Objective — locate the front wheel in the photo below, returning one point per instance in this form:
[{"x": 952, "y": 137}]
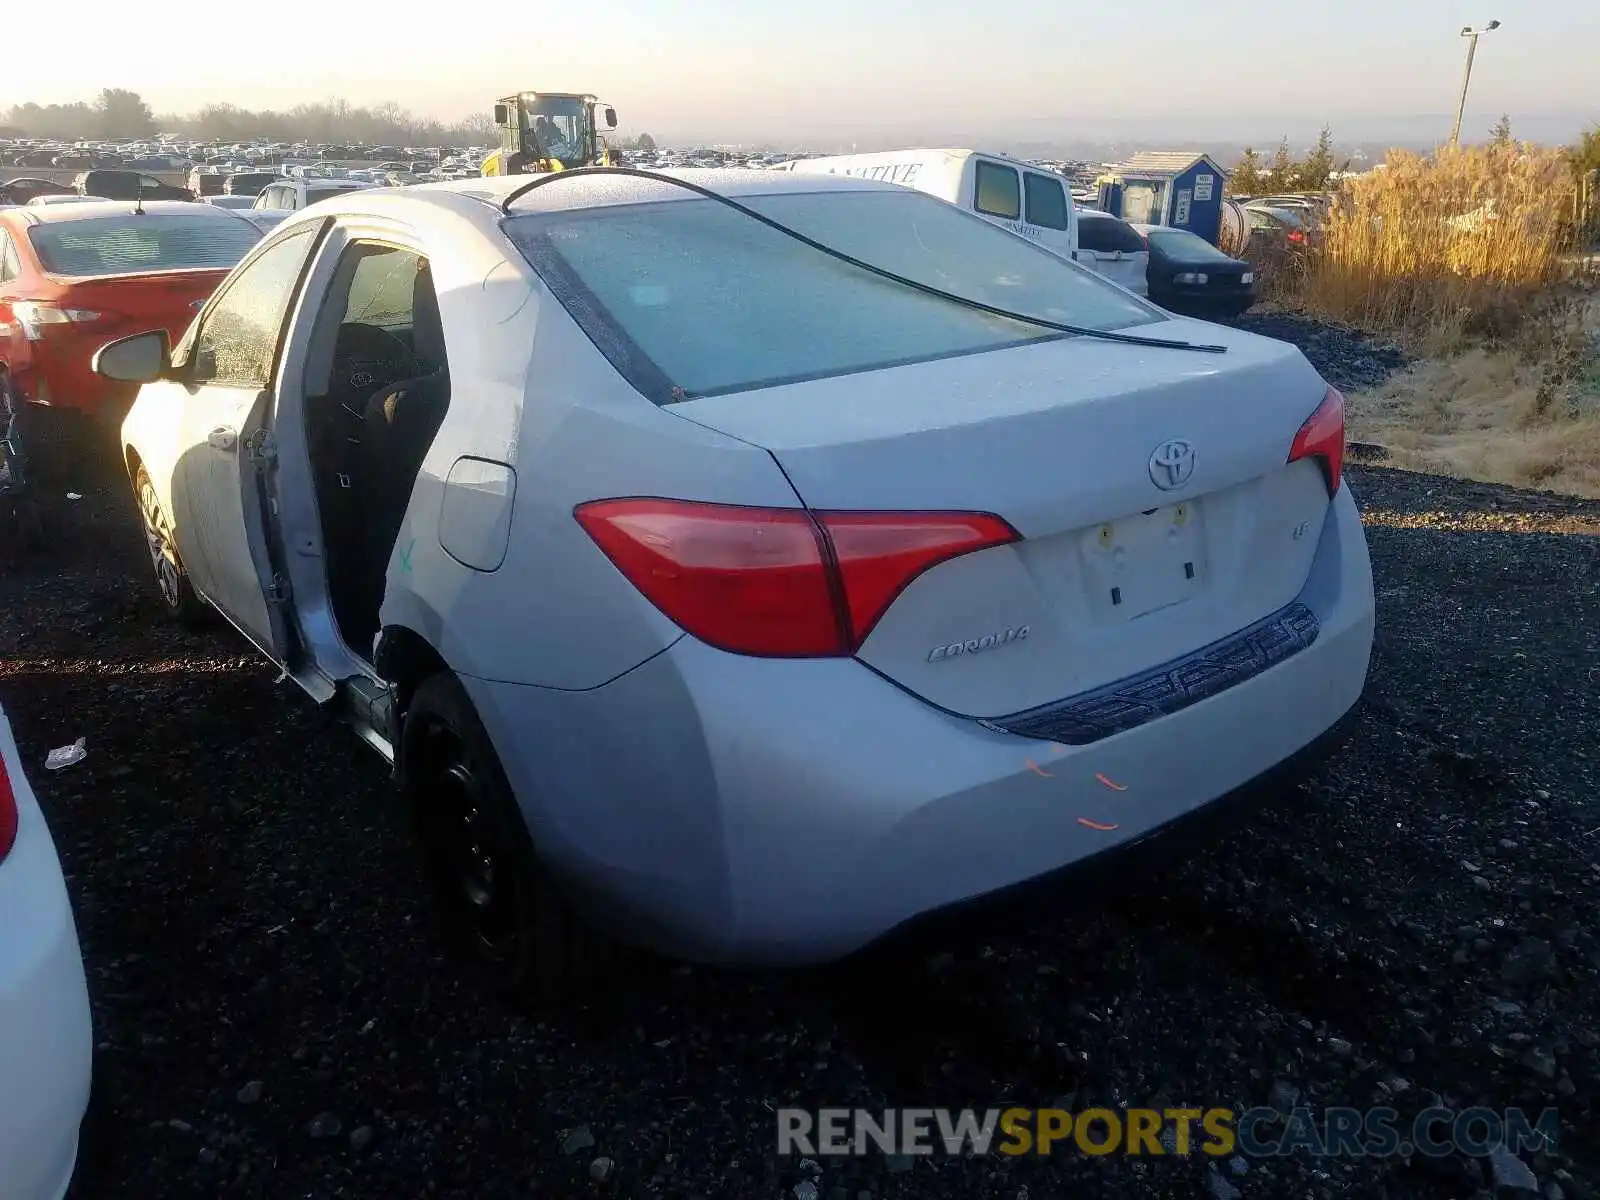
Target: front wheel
[
  {"x": 502, "y": 913},
  {"x": 178, "y": 596}
]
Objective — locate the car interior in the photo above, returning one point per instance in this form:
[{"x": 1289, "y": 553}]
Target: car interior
[{"x": 382, "y": 398}]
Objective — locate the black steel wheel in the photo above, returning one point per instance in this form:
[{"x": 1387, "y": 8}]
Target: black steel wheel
[{"x": 501, "y": 912}]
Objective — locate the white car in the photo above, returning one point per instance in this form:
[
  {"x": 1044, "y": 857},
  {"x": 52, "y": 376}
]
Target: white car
[
  {"x": 280, "y": 201},
  {"x": 1112, "y": 247},
  {"x": 746, "y": 563},
  {"x": 45, "y": 1035}
]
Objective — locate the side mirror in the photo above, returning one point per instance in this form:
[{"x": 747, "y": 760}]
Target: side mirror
[
  {"x": 611, "y": 117},
  {"x": 142, "y": 358},
  {"x": 502, "y": 115}
]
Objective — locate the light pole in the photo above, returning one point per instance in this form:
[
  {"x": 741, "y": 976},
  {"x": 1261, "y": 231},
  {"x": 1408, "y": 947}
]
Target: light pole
[{"x": 1471, "y": 35}]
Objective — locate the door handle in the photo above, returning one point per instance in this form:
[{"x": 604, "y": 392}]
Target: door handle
[{"x": 223, "y": 438}]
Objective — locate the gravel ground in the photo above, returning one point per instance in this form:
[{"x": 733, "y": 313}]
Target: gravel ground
[
  {"x": 1349, "y": 360},
  {"x": 273, "y": 1019}
]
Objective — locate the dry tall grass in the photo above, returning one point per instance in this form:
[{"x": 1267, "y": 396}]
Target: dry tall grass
[
  {"x": 1497, "y": 414},
  {"x": 1464, "y": 257},
  {"x": 1438, "y": 249}
]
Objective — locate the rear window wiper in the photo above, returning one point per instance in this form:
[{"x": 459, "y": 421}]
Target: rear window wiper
[{"x": 1106, "y": 335}]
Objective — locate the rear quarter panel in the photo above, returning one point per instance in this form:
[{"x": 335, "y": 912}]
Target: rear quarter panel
[{"x": 529, "y": 389}]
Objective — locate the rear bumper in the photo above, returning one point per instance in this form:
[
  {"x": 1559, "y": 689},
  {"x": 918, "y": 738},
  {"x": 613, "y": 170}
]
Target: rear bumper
[
  {"x": 1137, "y": 856},
  {"x": 45, "y": 1033},
  {"x": 746, "y": 810}
]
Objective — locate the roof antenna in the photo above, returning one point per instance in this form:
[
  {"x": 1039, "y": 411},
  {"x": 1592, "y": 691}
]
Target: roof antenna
[{"x": 138, "y": 198}]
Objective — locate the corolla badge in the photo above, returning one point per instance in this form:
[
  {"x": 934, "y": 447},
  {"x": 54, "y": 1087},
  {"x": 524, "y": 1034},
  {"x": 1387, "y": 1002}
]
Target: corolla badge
[
  {"x": 988, "y": 641},
  {"x": 1172, "y": 464}
]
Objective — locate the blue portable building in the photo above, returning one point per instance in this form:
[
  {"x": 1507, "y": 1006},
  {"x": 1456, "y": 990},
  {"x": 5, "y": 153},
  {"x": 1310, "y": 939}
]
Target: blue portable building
[{"x": 1167, "y": 187}]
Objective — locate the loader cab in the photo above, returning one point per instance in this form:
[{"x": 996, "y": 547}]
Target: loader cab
[{"x": 557, "y": 127}]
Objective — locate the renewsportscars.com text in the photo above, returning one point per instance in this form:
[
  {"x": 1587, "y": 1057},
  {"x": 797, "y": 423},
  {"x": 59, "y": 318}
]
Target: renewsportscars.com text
[{"x": 1255, "y": 1132}]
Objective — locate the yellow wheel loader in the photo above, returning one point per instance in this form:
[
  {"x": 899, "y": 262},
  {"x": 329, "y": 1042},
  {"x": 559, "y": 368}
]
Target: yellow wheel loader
[{"x": 550, "y": 131}]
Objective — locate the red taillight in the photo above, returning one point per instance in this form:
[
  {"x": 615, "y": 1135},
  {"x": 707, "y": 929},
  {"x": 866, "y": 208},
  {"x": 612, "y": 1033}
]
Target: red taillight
[
  {"x": 778, "y": 582},
  {"x": 8, "y": 813},
  {"x": 36, "y": 316},
  {"x": 1322, "y": 437},
  {"x": 1296, "y": 236}
]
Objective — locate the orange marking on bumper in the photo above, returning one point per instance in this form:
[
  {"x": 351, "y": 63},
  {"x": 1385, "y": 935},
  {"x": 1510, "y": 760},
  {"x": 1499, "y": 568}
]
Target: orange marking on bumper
[
  {"x": 1088, "y": 824},
  {"x": 1115, "y": 787},
  {"x": 1038, "y": 770}
]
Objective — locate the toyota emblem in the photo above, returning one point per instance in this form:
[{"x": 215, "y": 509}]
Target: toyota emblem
[{"x": 1172, "y": 464}]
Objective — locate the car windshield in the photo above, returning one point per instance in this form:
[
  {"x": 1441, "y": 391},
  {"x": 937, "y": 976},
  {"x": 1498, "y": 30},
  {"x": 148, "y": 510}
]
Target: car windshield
[
  {"x": 1190, "y": 247},
  {"x": 129, "y": 244},
  {"x": 692, "y": 298},
  {"x": 560, "y": 124}
]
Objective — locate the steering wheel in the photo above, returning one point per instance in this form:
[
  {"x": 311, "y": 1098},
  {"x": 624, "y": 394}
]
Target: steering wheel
[{"x": 351, "y": 360}]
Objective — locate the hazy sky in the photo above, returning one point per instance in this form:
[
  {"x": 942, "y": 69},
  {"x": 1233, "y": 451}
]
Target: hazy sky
[{"x": 846, "y": 68}]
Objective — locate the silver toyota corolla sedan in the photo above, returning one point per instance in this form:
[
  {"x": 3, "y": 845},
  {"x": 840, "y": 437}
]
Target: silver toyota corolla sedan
[{"x": 743, "y": 564}]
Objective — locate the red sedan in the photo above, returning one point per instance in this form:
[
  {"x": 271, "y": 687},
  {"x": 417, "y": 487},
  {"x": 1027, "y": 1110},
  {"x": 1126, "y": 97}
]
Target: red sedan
[{"x": 76, "y": 276}]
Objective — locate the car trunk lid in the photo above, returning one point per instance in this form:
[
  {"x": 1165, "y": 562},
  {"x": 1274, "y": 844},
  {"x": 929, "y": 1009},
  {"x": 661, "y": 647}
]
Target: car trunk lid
[
  {"x": 1151, "y": 487},
  {"x": 1122, "y": 267},
  {"x": 135, "y": 303}
]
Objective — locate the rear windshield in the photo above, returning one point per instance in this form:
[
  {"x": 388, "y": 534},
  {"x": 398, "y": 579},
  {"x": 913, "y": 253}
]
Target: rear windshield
[
  {"x": 1287, "y": 215},
  {"x": 250, "y": 183},
  {"x": 1190, "y": 247},
  {"x": 313, "y": 194},
  {"x": 128, "y": 244},
  {"x": 1106, "y": 234},
  {"x": 692, "y": 298}
]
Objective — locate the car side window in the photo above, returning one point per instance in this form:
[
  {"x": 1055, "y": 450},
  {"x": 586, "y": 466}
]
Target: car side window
[
  {"x": 10, "y": 265},
  {"x": 1047, "y": 201},
  {"x": 150, "y": 181},
  {"x": 998, "y": 194},
  {"x": 237, "y": 342}
]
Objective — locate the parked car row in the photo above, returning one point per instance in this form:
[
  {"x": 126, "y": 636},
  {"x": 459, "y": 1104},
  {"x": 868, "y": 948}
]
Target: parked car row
[{"x": 167, "y": 154}]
